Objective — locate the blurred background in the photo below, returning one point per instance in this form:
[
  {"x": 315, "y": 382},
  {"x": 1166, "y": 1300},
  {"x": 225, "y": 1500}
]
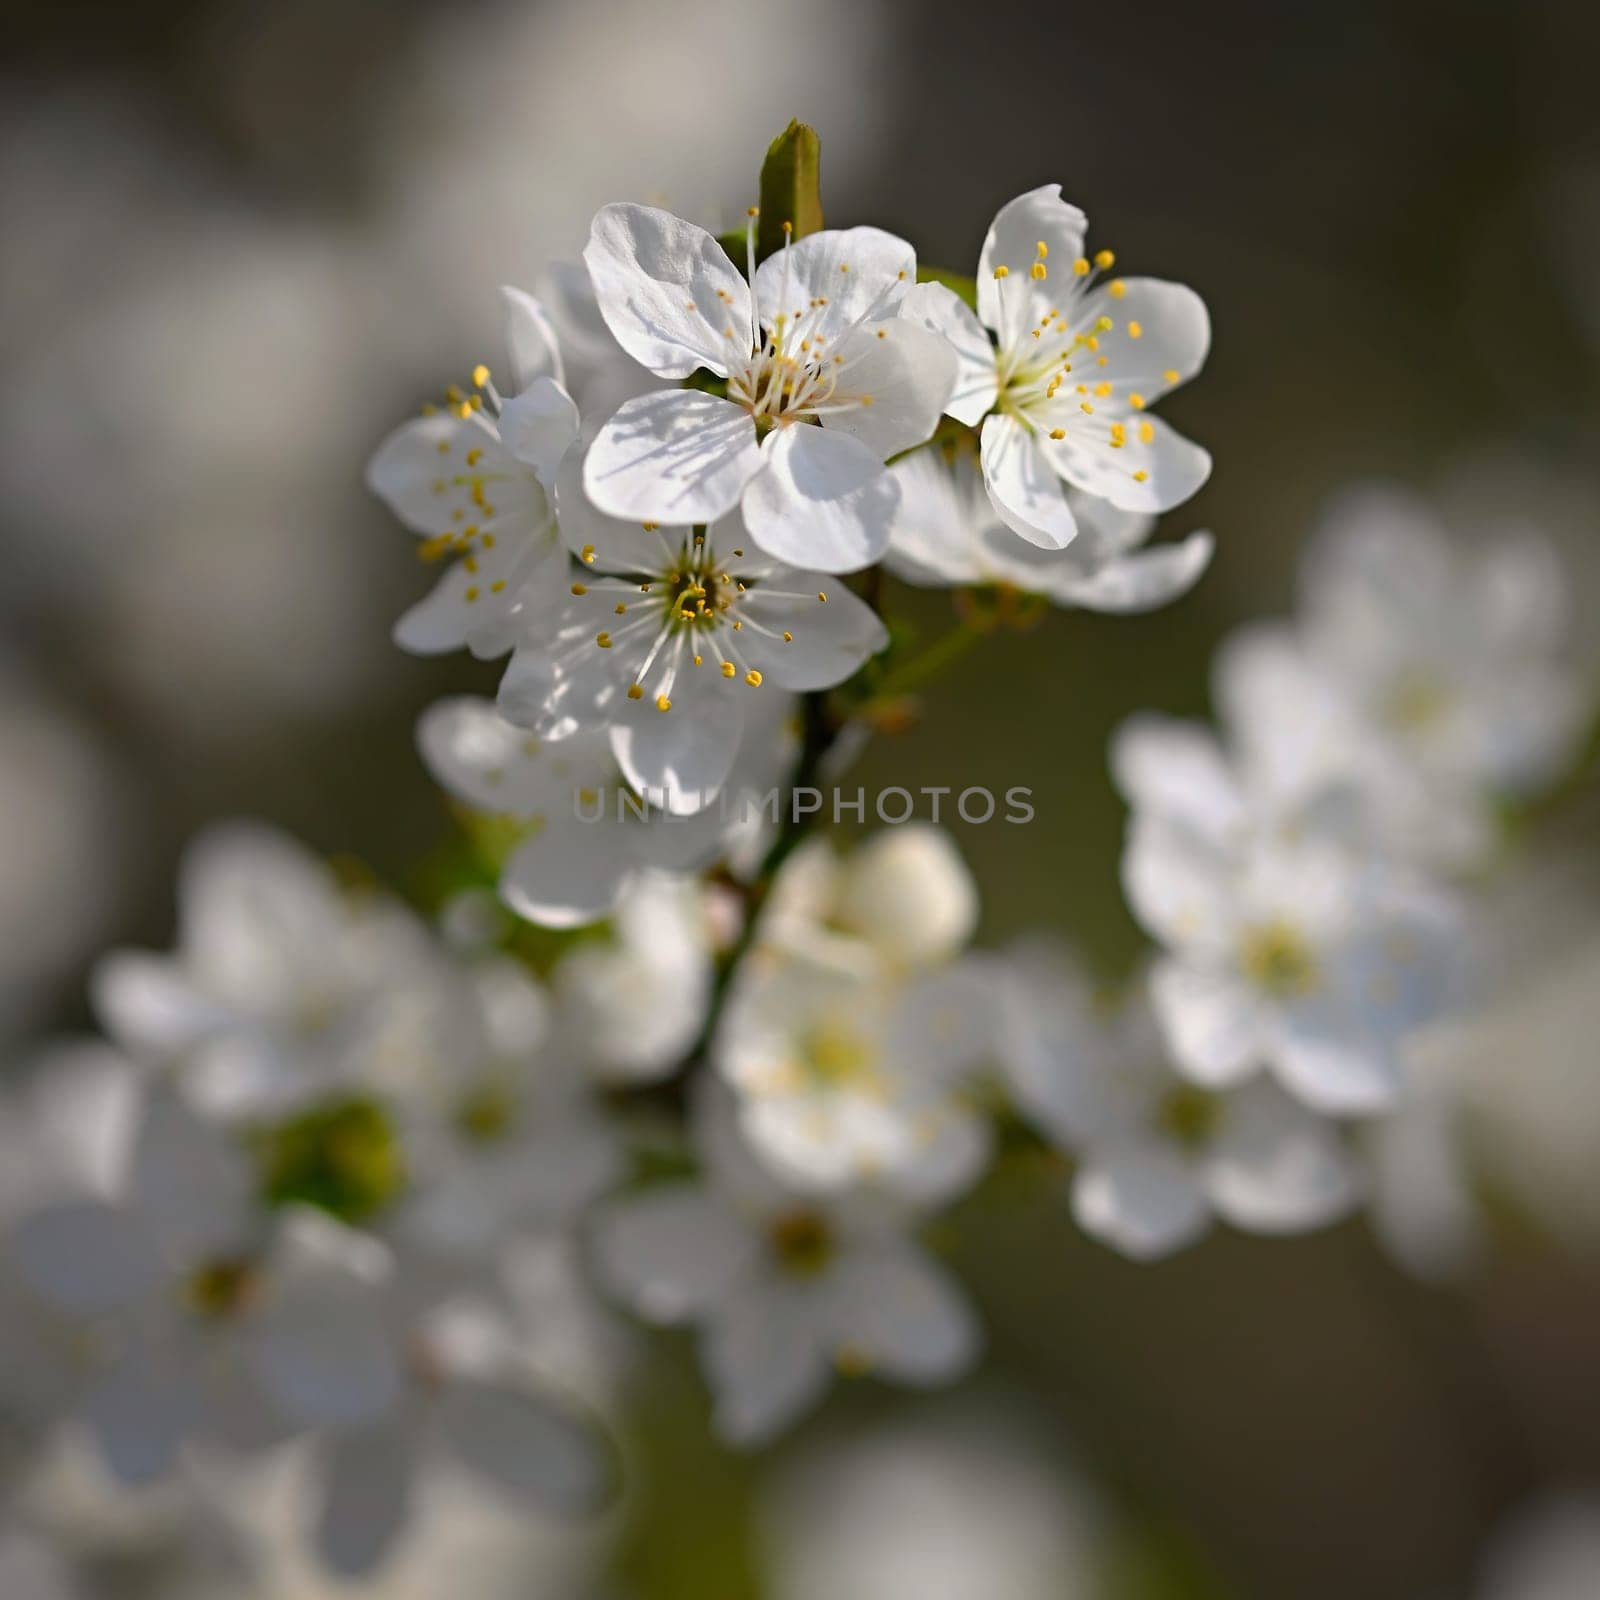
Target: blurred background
[{"x": 242, "y": 240}]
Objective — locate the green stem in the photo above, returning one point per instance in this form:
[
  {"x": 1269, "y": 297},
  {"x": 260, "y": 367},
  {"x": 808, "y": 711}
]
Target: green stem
[{"x": 947, "y": 649}]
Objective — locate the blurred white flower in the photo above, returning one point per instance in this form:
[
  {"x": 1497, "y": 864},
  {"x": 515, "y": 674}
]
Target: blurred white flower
[
  {"x": 948, "y": 533},
  {"x": 850, "y": 1077},
  {"x": 586, "y": 835},
  {"x": 902, "y": 899},
  {"x": 786, "y": 1286},
  {"x": 632, "y": 1005},
  {"x": 961, "y": 1501},
  {"x": 143, "y": 1285},
  {"x": 1284, "y": 948},
  {"x": 1158, "y": 1157},
  {"x": 280, "y": 982},
  {"x": 812, "y": 337},
  {"x": 464, "y": 1397},
  {"x": 667, "y": 640},
  {"x": 1062, "y": 389}
]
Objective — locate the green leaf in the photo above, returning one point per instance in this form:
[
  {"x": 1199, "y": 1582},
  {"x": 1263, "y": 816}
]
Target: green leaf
[
  {"x": 790, "y": 188},
  {"x": 957, "y": 282}
]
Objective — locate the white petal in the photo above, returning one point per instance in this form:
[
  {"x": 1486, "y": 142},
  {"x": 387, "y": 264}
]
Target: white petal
[
  {"x": 943, "y": 510},
  {"x": 908, "y": 891},
  {"x": 1142, "y": 581},
  {"x": 605, "y": 543},
  {"x": 1173, "y": 467},
  {"x": 821, "y": 500},
  {"x": 569, "y": 874},
  {"x": 140, "y": 1409},
  {"x": 1212, "y": 1022},
  {"x": 73, "y": 1123},
  {"x": 367, "y": 1482},
  {"x": 860, "y": 273},
  {"x": 1337, "y": 1064},
  {"x": 898, "y": 377},
  {"x": 560, "y": 684},
  {"x": 765, "y": 1363},
  {"x": 1274, "y": 1167},
  {"x": 1181, "y": 887},
  {"x": 828, "y": 639},
  {"x": 1023, "y": 486},
  {"x": 411, "y": 470},
  {"x": 1177, "y": 770},
  {"x": 191, "y": 1183},
  {"x": 1174, "y": 333},
  {"x": 531, "y": 339},
  {"x": 677, "y": 456},
  {"x": 1141, "y": 1198},
  {"x": 942, "y": 311},
  {"x": 85, "y": 1257},
  {"x": 538, "y": 426},
  {"x": 680, "y": 758},
  {"x": 667, "y": 290},
  {"x": 673, "y": 1253},
  {"x": 902, "y": 1312},
  {"x": 150, "y": 1005},
  {"x": 1014, "y": 236},
  {"x": 528, "y": 1445},
  {"x": 482, "y": 605},
  {"x": 322, "y": 1348},
  {"x": 500, "y": 768}
]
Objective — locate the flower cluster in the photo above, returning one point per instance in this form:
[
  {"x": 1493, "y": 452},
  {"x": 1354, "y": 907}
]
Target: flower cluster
[{"x": 674, "y": 1046}]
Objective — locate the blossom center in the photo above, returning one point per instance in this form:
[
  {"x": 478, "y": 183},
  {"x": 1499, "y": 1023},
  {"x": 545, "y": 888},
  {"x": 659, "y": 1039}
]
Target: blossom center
[
  {"x": 802, "y": 1242},
  {"x": 1188, "y": 1114},
  {"x": 1277, "y": 958}
]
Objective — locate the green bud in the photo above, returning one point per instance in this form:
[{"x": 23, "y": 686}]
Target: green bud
[
  {"x": 790, "y": 189},
  {"x": 342, "y": 1158}
]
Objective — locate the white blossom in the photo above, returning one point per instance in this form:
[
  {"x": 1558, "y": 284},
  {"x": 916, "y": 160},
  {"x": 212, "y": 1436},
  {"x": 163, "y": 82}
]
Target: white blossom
[
  {"x": 669, "y": 638},
  {"x": 812, "y": 337},
  {"x": 1060, "y": 391},
  {"x": 948, "y": 533},
  {"x": 785, "y": 1285},
  {"x": 1158, "y": 1157}
]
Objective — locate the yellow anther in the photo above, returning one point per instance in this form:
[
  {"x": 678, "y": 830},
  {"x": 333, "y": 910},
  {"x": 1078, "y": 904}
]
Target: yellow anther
[
  {"x": 728, "y": 669},
  {"x": 1135, "y": 330},
  {"x": 1147, "y": 433},
  {"x": 1058, "y": 433},
  {"x": 1105, "y": 325},
  {"x": 1086, "y": 408},
  {"x": 488, "y": 538},
  {"x": 1002, "y": 272},
  {"x": 788, "y": 227},
  {"x": 699, "y": 661},
  {"x": 1104, "y": 260},
  {"x": 822, "y": 597},
  {"x": 882, "y": 334},
  {"x": 1118, "y": 288},
  {"x": 453, "y": 394},
  {"x": 753, "y": 678},
  {"x": 635, "y": 692},
  {"x": 1171, "y": 374},
  {"x": 463, "y": 410},
  {"x": 1103, "y": 389},
  {"x": 1080, "y": 267},
  {"x": 497, "y": 586},
  {"x": 621, "y": 610},
  {"x": 471, "y": 563},
  {"x": 788, "y": 638},
  {"x": 662, "y": 703},
  {"x": 1038, "y": 271},
  {"x": 1042, "y": 248},
  {"x": 474, "y": 456},
  {"x": 752, "y": 211},
  {"x": 1136, "y": 401},
  {"x": 472, "y": 593},
  {"x": 649, "y": 527},
  {"x": 580, "y": 588},
  {"x": 1140, "y": 475},
  {"x": 587, "y": 553},
  {"x": 480, "y": 375},
  {"x": 603, "y": 640}
]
